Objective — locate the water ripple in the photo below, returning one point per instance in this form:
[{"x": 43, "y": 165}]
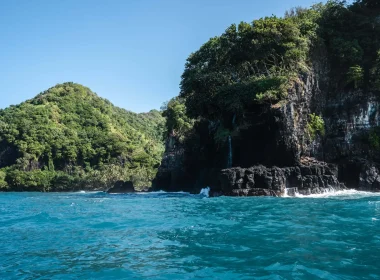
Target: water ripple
[{"x": 177, "y": 235}]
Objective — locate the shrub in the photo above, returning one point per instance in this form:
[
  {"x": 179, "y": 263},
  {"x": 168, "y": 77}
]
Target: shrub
[
  {"x": 3, "y": 183},
  {"x": 315, "y": 126},
  {"x": 355, "y": 75},
  {"x": 36, "y": 180},
  {"x": 177, "y": 122}
]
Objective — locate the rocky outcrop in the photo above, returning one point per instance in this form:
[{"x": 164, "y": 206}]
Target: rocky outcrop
[
  {"x": 122, "y": 187},
  {"x": 275, "y": 181},
  {"x": 272, "y": 149},
  {"x": 369, "y": 179}
]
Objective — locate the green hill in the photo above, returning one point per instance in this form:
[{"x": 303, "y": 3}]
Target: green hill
[{"x": 69, "y": 138}]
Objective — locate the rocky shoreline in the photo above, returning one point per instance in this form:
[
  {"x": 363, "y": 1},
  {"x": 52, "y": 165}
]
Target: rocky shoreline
[
  {"x": 274, "y": 181},
  {"x": 311, "y": 177}
]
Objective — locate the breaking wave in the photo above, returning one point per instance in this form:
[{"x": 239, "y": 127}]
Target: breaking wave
[{"x": 346, "y": 194}]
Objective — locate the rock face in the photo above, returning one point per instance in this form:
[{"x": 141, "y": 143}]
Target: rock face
[
  {"x": 369, "y": 178},
  {"x": 274, "y": 181},
  {"x": 122, "y": 187},
  {"x": 273, "y": 150},
  {"x": 171, "y": 174}
]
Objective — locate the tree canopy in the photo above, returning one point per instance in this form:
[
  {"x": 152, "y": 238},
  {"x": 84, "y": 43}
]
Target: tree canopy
[
  {"x": 70, "y": 131},
  {"x": 258, "y": 62}
]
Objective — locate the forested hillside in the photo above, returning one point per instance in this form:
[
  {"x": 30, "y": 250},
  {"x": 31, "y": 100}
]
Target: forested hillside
[{"x": 69, "y": 138}]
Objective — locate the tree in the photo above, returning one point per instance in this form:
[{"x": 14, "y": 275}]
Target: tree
[{"x": 178, "y": 124}]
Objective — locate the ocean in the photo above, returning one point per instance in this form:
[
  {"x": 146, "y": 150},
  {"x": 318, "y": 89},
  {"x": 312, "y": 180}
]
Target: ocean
[{"x": 90, "y": 235}]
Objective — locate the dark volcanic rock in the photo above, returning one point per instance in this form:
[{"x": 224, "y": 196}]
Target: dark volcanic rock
[
  {"x": 122, "y": 187},
  {"x": 369, "y": 178},
  {"x": 252, "y": 192},
  {"x": 361, "y": 174},
  {"x": 272, "y": 181}
]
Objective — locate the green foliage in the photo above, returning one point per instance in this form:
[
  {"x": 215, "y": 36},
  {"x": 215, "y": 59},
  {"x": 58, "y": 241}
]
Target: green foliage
[
  {"x": 355, "y": 74},
  {"x": 258, "y": 62},
  {"x": 178, "y": 124},
  {"x": 68, "y": 128},
  {"x": 271, "y": 88},
  {"x": 315, "y": 126},
  {"x": 307, "y": 20},
  {"x": 247, "y": 64},
  {"x": 107, "y": 175},
  {"x": 234, "y": 98},
  {"x": 36, "y": 180},
  {"x": 3, "y": 183},
  {"x": 351, "y": 34}
]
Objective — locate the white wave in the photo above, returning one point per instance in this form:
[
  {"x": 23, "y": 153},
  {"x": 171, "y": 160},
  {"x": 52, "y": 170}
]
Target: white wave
[
  {"x": 343, "y": 194},
  {"x": 162, "y": 192},
  {"x": 87, "y": 192},
  {"x": 285, "y": 193},
  {"x": 205, "y": 192}
]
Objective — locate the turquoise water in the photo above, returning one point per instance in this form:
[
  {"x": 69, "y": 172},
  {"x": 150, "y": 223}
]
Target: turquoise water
[{"x": 182, "y": 236}]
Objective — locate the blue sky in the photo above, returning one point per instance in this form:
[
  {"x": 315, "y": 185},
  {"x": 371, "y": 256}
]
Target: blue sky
[{"x": 131, "y": 52}]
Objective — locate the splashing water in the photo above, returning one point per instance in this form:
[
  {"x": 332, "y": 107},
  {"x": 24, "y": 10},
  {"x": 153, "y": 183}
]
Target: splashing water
[
  {"x": 345, "y": 194},
  {"x": 285, "y": 192},
  {"x": 205, "y": 192},
  {"x": 329, "y": 193}
]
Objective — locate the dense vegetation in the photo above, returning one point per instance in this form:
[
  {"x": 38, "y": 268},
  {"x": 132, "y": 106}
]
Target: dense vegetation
[
  {"x": 257, "y": 63},
  {"x": 178, "y": 124},
  {"x": 249, "y": 63},
  {"x": 67, "y": 137}
]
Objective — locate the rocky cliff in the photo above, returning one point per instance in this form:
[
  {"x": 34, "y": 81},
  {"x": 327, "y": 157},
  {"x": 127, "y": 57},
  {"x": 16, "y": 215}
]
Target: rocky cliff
[
  {"x": 282, "y": 103},
  {"x": 283, "y": 156}
]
